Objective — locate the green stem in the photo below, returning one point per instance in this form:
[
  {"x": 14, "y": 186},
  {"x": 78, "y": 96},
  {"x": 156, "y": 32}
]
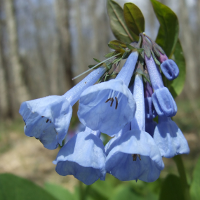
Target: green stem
[
  {"x": 81, "y": 190},
  {"x": 181, "y": 170}
]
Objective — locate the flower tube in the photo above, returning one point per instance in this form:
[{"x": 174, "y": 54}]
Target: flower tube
[
  {"x": 162, "y": 99},
  {"x": 48, "y": 118},
  {"x": 150, "y": 112}
]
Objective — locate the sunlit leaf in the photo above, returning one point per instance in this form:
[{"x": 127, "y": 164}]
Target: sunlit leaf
[
  {"x": 16, "y": 188},
  {"x": 169, "y": 27},
  {"x": 134, "y": 18},
  {"x": 176, "y": 86},
  {"x": 195, "y": 186},
  {"x": 171, "y": 188},
  {"x": 117, "y": 22}
]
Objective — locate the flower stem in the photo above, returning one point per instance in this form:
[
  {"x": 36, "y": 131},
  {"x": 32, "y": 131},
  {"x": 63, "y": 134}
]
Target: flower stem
[
  {"x": 181, "y": 170},
  {"x": 81, "y": 190}
]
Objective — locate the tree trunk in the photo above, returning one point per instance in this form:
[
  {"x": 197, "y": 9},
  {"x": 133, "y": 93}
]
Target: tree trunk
[
  {"x": 3, "y": 84},
  {"x": 187, "y": 43},
  {"x": 62, "y": 8},
  {"x": 18, "y": 91}
]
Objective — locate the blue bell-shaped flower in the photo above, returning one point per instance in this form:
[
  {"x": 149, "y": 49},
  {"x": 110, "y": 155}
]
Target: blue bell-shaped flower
[
  {"x": 162, "y": 98},
  {"x": 133, "y": 154},
  {"x": 83, "y": 156},
  {"x": 48, "y": 118},
  {"x": 169, "y": 138},
  {"x": 108, "y": 106}
]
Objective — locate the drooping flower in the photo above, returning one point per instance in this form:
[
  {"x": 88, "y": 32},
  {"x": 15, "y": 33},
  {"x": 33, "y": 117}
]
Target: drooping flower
[
  {"x": 133, "y": 154},
  {"x": 83, "y": 157},
  {"x": 108, "y": 106},
  {"x": 170, "y": 69},
  {"x": 162, "y": 99},
  {"x": 168, "y": 66},
  {"x": 48, "y": 118},
  {"x": 169, "y": 138}
]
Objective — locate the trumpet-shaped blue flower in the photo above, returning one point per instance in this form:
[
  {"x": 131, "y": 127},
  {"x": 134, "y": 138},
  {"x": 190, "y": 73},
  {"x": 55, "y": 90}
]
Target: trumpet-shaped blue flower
[
  {"x": 83, "y": 157},
  {"x": 133, "y": 154},
  {"x": 108, "y": 106},
  {"x": 169, "y": 138},
  {"x": 48, "y": 118},
  {"x": 162, "y": 98},
  {"x": 170, "y": 69}
]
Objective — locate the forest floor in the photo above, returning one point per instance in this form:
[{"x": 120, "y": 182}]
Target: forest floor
[{"x": 26, "y": 157}]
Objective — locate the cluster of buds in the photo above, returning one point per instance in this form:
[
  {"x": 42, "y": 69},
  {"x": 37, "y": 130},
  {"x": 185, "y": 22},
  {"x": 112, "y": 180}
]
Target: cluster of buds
[{"x": 124, "y": 108}]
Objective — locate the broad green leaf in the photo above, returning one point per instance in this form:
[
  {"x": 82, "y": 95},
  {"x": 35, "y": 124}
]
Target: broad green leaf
[
  {"x": 58, "y": 192},
  {"x": 105, "y": 188},
  {"x": 134, "y": 18},
  {"x": 126, "y": 191},
  {"x": 171, "y": 189},
  {"x": 16, "y": 188},
  {"x": 117, "y": 22},
  {"x": 195, "y": 186},
  {"x": 169, "y": 27},
  {"x": 95, "y": 194},
  {"x": 176, "y": 86}
]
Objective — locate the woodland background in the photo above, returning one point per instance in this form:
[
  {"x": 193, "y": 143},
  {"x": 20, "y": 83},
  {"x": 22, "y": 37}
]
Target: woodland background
[{"x": 45, "y": 43}]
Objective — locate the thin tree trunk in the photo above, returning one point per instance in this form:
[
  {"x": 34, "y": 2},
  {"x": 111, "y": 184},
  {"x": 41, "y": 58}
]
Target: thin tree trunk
[
  {"x": 3, "y": 84},
  {"x": 18, "y": 91},
  {"x": 186, "y": 37},
  {"x": 62, "y": 8}
]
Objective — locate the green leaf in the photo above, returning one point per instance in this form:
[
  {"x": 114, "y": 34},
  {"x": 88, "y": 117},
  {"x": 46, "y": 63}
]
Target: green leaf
[
  {"x": 117, "y": 22},
  {"x": 194, "y": 189},
  {"x": 169, "y": 27},
  {"x": 171, "y": 188},
  {"x": 16, "y": 188},
  {"x": 125, "y": 192},
  {"x": 118, "y": 43},
  {"x": 58, "y": 192},
  {"x": 134, "y": 18},
  {"x": 108, "y": 55},
  {"x": 176, "y": 86},
  {"x": 96, "y": 60},
  {"x": 95, "y": 194}
]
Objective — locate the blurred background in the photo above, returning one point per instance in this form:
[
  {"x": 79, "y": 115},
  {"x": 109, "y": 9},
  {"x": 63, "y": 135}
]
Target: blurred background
[{"x": 45, "y": 43}]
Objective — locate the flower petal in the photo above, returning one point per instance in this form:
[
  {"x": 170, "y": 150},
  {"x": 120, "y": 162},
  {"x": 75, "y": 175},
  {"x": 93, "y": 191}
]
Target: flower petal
[
  {"x": 119, "y": 161},
  {"x": 169, "y": 138},
  {"x": 97, "y": 113},
  {"x": 83, "y": 156},
  {"x": 170, "y": 69},
  {"x": 47, "y": 119},
  {"x": 164, "y": 103}
]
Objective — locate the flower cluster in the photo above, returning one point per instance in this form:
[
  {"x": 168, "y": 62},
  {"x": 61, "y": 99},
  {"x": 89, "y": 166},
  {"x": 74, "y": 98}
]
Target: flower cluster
[{"x": 123, "y": 108}]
